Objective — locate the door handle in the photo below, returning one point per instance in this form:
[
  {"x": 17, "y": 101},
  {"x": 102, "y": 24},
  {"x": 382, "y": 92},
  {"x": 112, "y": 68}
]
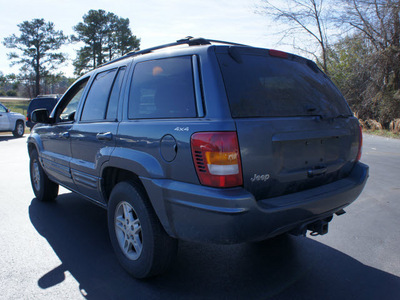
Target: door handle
[
  {"x": 317, "y": 172},
  {"x": 64, "y": 135},
  {"x": 104, "y": 136}
]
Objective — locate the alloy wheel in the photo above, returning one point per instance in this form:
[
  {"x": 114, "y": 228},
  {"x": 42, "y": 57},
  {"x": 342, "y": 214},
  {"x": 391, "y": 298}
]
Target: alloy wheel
[{"x": 128, "y": 230}]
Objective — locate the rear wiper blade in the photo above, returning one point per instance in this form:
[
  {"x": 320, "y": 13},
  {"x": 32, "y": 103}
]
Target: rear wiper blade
[
  {"x": 341, "y": 116},
  {"x": 311, "y": 109},
  {"x": 330, "y": 117}
]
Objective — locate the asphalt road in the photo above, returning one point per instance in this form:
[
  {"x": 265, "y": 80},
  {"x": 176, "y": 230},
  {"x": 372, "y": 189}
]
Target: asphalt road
[{"x": 61, "y": 250}]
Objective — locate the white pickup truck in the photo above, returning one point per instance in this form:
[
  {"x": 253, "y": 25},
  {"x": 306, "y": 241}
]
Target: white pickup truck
[{"x": 11, "y": 121}]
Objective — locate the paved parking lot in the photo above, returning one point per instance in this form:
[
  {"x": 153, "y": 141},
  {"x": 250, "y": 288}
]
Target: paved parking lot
[{"x": 61, "y": 250}]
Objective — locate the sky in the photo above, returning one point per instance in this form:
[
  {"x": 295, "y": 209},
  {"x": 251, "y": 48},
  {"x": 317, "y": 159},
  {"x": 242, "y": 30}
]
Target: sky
[{"x": 155, "y": 22}]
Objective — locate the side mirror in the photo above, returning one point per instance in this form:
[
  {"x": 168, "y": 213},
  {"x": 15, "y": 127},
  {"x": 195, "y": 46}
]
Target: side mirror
[{"x": 40, "y": 116}]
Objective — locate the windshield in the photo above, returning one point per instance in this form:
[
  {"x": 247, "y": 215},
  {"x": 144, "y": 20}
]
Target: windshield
[
  {"x": 264, "y": 86},
  {"x": 3, "y": 109}
]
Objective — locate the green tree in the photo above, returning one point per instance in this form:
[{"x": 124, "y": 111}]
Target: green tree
[
  {"x": 377, "y": 24},
  {"x": 378, "y": 21},
  {"x": 106, "y": 36},
  {"x": 3, "y": 81},
  {"x": 9, "y": 84},
  {"x": 120, "y": 39},
  {"x": 348, "y": 63},
  {"x": 37, "y": 47}
]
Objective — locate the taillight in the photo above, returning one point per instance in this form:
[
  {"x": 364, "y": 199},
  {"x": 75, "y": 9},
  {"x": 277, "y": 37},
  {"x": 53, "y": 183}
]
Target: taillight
[
  {"x": 360, "y": 144},
  {"x": 217, "y": 159}
]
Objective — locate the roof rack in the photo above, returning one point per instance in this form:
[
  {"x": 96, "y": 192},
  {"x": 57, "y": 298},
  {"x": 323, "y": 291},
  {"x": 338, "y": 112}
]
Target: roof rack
[{"x": 191, "y": 41}]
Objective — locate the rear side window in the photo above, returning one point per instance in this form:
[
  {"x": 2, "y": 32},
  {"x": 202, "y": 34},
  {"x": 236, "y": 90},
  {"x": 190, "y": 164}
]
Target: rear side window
[
  {"x": 265, "y": 86},
  {"x": 113, "y": 102},
  {"x": 97, "y": 99},
  {"x": 163, "y": 89}
]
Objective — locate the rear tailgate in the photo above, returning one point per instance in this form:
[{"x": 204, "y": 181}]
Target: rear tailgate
[
  {"x": 295, "y": 129},
  {"x": 282, "y": 156}
]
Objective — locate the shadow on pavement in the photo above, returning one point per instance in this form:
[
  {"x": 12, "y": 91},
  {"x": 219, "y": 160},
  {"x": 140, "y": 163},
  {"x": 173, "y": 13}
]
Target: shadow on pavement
[
  {"x": 286, "y": 267},
  {"x": 5, "y": 138}
]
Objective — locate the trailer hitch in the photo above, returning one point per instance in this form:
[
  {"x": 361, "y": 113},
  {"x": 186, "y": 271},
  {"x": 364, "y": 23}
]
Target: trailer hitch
[{"x": 319, "y": 227}]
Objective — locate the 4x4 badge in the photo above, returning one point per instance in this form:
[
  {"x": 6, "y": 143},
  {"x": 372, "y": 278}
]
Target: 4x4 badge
[
  {"x": 260, "y": 177},
  {"x": 181, "y": 128}
]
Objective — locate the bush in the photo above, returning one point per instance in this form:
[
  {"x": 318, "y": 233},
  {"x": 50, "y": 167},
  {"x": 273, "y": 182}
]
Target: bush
[
  {"x": 395, "y": 126},
  {"x": 11, "y": 93}
]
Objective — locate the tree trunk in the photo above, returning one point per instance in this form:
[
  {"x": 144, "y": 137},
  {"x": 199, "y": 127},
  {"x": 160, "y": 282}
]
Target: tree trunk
[
  {"x": 94, "y": 55},
  {"x": 324, "y": 58},
  {"x": 396, "y": 44},
  {"x": 37, "y": 74}
]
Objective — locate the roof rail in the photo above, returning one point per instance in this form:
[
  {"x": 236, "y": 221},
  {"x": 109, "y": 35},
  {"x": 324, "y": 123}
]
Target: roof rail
[
  {"x": 191, "y": 41},
  {"x": 49, "y": 96}
]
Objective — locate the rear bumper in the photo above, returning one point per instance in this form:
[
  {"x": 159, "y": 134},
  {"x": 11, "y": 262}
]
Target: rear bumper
[
  {"x": 29, "y": 124},
  {"x": 226, "y": 216}
]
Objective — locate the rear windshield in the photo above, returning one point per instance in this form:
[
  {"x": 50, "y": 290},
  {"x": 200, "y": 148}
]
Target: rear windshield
[{"x": 264, "y": 86}]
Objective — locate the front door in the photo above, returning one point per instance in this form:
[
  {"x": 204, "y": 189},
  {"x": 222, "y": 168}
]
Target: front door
[
  {"x": 56, "y": 154},
  {"x": 4, "y": 123}
]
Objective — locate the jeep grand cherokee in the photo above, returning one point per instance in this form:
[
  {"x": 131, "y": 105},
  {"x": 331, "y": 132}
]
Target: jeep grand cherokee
[{"x": 201, "y": 140}]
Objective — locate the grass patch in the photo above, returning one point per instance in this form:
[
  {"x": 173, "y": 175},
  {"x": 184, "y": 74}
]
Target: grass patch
[
  {"x": 17, "y": 106},
  {"x": 384, "y": 133}
]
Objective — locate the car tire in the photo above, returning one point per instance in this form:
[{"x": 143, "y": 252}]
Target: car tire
[
  {"x": 45, "y": 190},
  {"x": 19, "y": 129},
  {"x": 140, "y": 243}
]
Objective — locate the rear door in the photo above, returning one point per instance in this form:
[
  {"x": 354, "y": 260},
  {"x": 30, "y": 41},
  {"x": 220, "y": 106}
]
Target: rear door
[
  {"x": 93, "y": 136},
  {"x": 295, "y": 129}
]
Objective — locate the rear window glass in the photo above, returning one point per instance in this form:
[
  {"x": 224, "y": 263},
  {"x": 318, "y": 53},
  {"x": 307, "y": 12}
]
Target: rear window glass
[
  {"x": 265, "y": 86},
  {"x": 163, "y": 89}
]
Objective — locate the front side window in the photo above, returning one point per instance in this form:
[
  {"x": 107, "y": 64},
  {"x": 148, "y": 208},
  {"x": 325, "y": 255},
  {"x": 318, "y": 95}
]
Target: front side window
[
  {"x": 163, "y": 89},
  {"x": 66, "y": 110}
]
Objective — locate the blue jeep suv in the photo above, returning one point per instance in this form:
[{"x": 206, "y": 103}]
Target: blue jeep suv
[{"x": 201, "y": 140}]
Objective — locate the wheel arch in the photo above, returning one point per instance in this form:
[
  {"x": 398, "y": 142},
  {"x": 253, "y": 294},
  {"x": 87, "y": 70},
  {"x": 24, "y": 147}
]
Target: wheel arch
[
  {"x": 13, "y": 122},
  {"x": 19, "y": 120},
  {"x": 111, "y": 176},
  {"x": 128, "y": 165},
  {"x": 34, "y": 142}
]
